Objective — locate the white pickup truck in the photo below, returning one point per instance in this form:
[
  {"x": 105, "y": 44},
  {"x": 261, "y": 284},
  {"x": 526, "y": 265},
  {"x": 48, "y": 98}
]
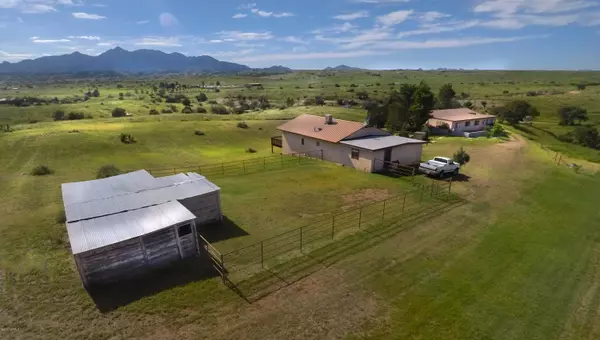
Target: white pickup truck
[{"x": 440, "y": 167}]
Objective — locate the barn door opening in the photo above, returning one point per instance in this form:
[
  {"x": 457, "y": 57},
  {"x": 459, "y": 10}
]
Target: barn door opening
[
  {"x": 387, "y": 157},
  {"x": 187, "y": 241}
]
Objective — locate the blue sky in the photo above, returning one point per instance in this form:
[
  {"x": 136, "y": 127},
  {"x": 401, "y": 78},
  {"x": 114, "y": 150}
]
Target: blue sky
[{"x": 382, "y": 34}]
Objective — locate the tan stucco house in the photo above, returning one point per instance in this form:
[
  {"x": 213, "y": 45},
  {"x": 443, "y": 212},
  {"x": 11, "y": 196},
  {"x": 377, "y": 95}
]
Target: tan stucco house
[
  {"x": 461, "y": 120},
  {"x": 348, "y": 143}
]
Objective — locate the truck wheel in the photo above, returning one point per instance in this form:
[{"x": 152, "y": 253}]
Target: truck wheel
[{"x": 455, "y": 173}]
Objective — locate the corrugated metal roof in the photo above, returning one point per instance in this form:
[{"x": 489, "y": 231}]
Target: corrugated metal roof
[
  {"x": 454, "y": 115},
  {"x": 157, "y": 191},
  {"x": 107, "y": 187},
  {"x": 378, "y": 143},
  {"x": 315, "y": 127},
  {"x": 99, "y": 232}
]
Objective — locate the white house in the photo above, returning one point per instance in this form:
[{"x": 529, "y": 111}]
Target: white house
[
  {"x": 348, "y": 143},
  {"x": 460, "y": 121}
]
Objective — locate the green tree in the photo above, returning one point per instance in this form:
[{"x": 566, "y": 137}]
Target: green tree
[
  {"x": 119, "y": 112},
  {"x": 218, "y": 83},
  {"x": 516, "y": 111},
  {"x": 96, "y": 93},
  {"x": 567, "y": 115},
  {"x": 446, "y": 95},
  {"x": 186, "y": 101},
  {"x": 201, "y": 97},
  {"x": 468, "y": 105},
  {"x": 412, "y": 105},
  {"x": 484, "y": 104},
  {"x": 587, "y": 136},
  {"x": 58, "y": 115},
  {"x": 461, "y": 156},
  {"x": 289, "y": 102}
]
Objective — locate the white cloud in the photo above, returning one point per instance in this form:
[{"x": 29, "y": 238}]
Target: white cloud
[
  {"x": 239, "y": 15},
  {"x": 432, "y": 16},
  {"x": 107, "y": 44},
  {"x": 271, "y": 14},
  {"x": 448, "y": 43},
  {"x": 99, "y": 5},
  {"x": 352, "y": 16},
  {"x": 20, "y": 20},
  {"x": 394, "y": 18},
  {"x": 142, "y": 22},
  {"x": 49, "y": 41},
  {"x": 34, "y": 38},
  {"x": 311, "y": 55},
  {"x": 14, "y": 56},
  {"x": 159, "y": 41},
  {"x": 440, "y": 28},
  {"x": 84, "y": 37},
  {"x": 222, "y": 54},
  {"x": 216, "y": 41},
  {"x": 532, "y": 6},
  {"x": 38, "y": 8},
  {"x": 247, "y": 6},
  {"x": 342, "y": 28},
  {"x": 294, "y": 40},
  {"x": 245, "y": 36},
  {"x": 87, "y": 16},
  {"x": 381, "y": 1},
  {"x": 168, "y": 20}
]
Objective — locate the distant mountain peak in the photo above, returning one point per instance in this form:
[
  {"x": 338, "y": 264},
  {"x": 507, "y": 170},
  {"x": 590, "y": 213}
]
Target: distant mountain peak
[{"x": 342, "y": 68}]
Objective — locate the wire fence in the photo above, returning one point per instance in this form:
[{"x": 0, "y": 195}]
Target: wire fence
[
  {"x": 245, "y": 166},
  {"x": 563, "y": 160},
  {"x": 255, "y": 257}
]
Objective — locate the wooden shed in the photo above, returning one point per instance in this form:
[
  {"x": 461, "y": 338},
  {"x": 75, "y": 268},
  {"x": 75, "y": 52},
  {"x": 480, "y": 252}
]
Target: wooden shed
[{"x": 124, "y": 225}]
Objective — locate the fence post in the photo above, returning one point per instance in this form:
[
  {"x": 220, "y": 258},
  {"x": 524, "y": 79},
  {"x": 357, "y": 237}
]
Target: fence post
[
  {"x": 359, "y": 217},
  {"x": 404, "y": 201},
  {"x": 332, "y": 226},
  {"x": 262, "y": 256},
  {"x": 222, "y": 267},
  {"x": 301, "y": 239},
  {"x": 383, "y": 214},
  {"x": 413, "y": 173}
]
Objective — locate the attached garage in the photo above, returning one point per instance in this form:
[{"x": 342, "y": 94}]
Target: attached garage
[{"x": 125, "y": 225}]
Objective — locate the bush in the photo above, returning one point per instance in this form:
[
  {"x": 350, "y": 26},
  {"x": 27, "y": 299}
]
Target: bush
[
  {"x": 251, "y": 150},
  {"x": 41, "y": 170},
  {"x": 243, "y": 125},
  {"x": 187, "y": 109},
  {"x": 199, "y": 133},
  {"x": 497, "y": 130},
  {"x": 219, "y": 110},
  {"x": 76, "y": 116},
  {"x": 119, "y": 112},
  {"x": 186, "y": 102},
  {"x": 201, "y": 109},
  {"x": 127, "y": 138},
  {"x": 461, "y": 156},
  {"x": 166, "y": 111},
  {"x": 154, "y": 112},
  {"x": 106, "y": 171},
  {"x": 58, "y": 115},
  {"x": 337, "y": 85}
]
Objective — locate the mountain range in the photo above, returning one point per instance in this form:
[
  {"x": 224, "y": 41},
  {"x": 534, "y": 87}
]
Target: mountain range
[
  {"x": 342, "y": 68},
  {"x": 139, "y": 61}
]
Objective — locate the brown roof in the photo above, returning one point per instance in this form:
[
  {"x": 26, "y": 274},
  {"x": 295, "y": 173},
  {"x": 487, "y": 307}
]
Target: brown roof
[
  {"x": 315, "y": 127},
  {"x": 455, "y": 115}
]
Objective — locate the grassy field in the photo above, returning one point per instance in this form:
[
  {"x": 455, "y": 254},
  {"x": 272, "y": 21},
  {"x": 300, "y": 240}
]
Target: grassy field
[{"x": 518, "y": 260}]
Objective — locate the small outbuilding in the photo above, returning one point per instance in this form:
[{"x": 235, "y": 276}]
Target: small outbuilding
[
  {"x": 352, "y": 144},
  {"x": 128, "y": 224},
  {"x": 460, "y": 122}
]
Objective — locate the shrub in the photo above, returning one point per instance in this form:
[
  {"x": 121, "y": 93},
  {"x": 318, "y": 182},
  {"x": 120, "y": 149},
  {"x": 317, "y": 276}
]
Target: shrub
[
  {"x": 154, "y": 112},
  {"x": 186, "y": 101},
  {"x": 353, "y": 85},
  {"x": 219, "y": 110},
  {"x": 76, "y": 116},
  {"x": 200, "y": 109},
  {"x": 106, "y": 171},
  {"x": 319, "y": 100},
  {"x": 166, "y": 111},
  {"x": 58, "y": 115},
  {"x": 337, "y": 85},
  {"x": 127, "y": 138},
  {"x": 41, "y": 170},
  {"x": 199, "y": 133},
  {"x": 461, "y": 156},
  {"x": 187, "y": 109},
  {"x": 251, "y": 150},
  {"x": 242, "y": 125},
  {"x": 444, "y": 126},
  {"x": 497, "y": 130},
  {"x": 119, "y": 112},
  {"x": 174, "y": 108}
]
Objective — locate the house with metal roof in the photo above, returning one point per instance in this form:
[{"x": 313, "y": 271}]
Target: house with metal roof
[
  {"x": 460, "y": 121},
  {"x": 121, "y": 226},
  {"x": 351, "y": 144}
]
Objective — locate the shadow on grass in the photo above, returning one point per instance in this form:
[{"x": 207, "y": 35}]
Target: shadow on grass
[
  {"x": 221, "y": 231},
  {"x": 278, "y": 276},
  {"x": 112, "y": 296}
]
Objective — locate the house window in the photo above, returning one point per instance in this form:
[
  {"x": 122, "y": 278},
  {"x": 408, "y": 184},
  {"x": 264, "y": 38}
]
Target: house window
[
  {"x": 355, "y": 153},
  {"x": 302, "y": 142},
  {"x": 318, "y": 143},
  {"x": 467, "y": 123},
  {"x": 185, "y": 230},
  {"x": 476, "y": 122}
]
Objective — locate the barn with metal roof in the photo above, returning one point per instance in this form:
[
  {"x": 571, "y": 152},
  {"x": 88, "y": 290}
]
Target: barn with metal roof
[{"x": 127, "y": 224}]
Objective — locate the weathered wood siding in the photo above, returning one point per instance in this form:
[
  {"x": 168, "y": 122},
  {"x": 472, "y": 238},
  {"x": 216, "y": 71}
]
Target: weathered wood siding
[
  {"x": 207, "y": 208},
  {"x": 135, "y": 256}
]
